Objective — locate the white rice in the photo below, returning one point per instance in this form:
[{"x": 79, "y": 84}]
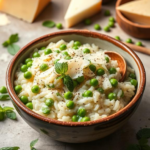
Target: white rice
[{"x": 98, "y": 106}]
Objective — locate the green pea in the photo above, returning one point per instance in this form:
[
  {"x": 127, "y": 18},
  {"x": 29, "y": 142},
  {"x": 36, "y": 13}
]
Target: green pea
[
  {"x": 75, "y": 83},
  {"x": 29, "y": 105},
  {"x": 49, "y": 102},
  {"x": 100, "y": 72},
  {"x": 68, "y": 58},
  {"x": 107, "y": 29},
  {"x": 86, "y": 51},
  {"x": 112, "y": 96},
  {"x": 111, "y": 24},
  {"x": 18, "y": 89},
  {"x": 35, "y": 89},
  {"x": 107, "y": 59},
  {"x": 65, "y": 53},
  {"x": 56, "y": 61},
  {"x": 134, "y": 82},
  {"x": 112, "y": 19},
  {"x": 2, "y": 114},
  {"x": 100, "y": 90},
  {"x": 77, "y": 43},
  {"x": 47, "y": 51},
  {"x": 107, "y": 13},
  {"x": 84, "y": 119},
  {"x": 57, "y": 51},
  {"x": 87, "y": 93},
  {"x": 112, "y": 70},
  {"x": 24, "y": 68},
  {"x": 45, "y": 110},
  {"x": 81, "y": 112},
  {"x": 24, "y": 99},
  {"x": 68, "y": 95},
  {"x": 80, "y": 79},
  {"x": 93, "y": 82},
  {"x": 27, "y": 60},
  {"x": 75, "y": 47},
  {"x": 75, "y": 118},
  {"x": 92, "y": 67},
  {"x": 70, "y": 104},
  {"x": 59, "y": 26},
  {"x": 35, "y": 54},
  {"x": 42, "y": 48},
  {"x": 43, "y": 67},
  {"x": 129, "y": 40},
  {"x": 139, "y": 43},
  {"x": 3, "y": 89},
  {"x": 113, "y": 82},
  {"x": 97, "y": 27},
  {"x": 29, "y": 64},
  {"x": 27, "y": 75},
  {"x": 87, "y": 21},
  {"x": 132, "y": 75},
  {"x": 117, "y": 38},
  {"x": 63, "y": 47}
]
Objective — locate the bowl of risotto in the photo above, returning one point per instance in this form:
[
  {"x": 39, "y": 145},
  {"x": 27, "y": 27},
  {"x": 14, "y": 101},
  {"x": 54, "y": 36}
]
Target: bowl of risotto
[{"x": 65, "y": 85}]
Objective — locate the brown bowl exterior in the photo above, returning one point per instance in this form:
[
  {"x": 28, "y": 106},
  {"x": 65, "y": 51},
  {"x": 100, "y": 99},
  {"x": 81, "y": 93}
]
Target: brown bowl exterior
[
  {"x": 131, "y": 28},
  {"x": 75, "y": 132}
]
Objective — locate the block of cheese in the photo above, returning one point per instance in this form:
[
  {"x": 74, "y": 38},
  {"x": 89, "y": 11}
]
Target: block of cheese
[
  {"x": 81, "y": 9},
  {"x": 137, "y": 11},
  {"x": 27, "y": 10}
]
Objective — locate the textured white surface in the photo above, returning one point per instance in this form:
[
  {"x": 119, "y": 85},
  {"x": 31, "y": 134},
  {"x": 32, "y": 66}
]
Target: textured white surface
[{"x": 18, "y": 133}]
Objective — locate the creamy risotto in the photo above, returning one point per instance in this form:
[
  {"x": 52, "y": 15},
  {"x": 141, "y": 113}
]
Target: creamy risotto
[{"x": 73, "y": 82}]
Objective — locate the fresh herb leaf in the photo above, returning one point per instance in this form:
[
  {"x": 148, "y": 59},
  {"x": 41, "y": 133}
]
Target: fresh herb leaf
[
  {"x": 10, "y": 148},
  {"x": 33, "y": 143},
  {"x": 143, "y": 133},
  {"x": 4, "y": 97},
  {"x": 133, "y": 147},
  {"x": 7, "y": 108},
  {"x": 60, "y": 77},
  {"x": 49, "y": 24},
  {"x": 13, "y": 49},
  {"x": 11, "y": 114},
  {"x": 61, "y": 68},
  {"x": 143, "y": 141},
  {"x": 68, "y": 82},
  {"x": 13, "y": 38},
  {"x": 145, "y": 147},
  {"x": 6, "y": 43},
  {"x": 50, "y": 86}
]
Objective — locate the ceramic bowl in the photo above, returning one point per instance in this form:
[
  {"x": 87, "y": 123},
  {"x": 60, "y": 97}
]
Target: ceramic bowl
[
  {"x": 131, "y": 28},
  {"x": 77, "y": 132}
]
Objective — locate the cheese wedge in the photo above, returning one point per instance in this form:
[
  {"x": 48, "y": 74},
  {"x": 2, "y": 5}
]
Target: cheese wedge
[
  {"x": 137, "y": 11},
  {"x": 81, "y": 9},
  {"x": 27, "y": 10}
]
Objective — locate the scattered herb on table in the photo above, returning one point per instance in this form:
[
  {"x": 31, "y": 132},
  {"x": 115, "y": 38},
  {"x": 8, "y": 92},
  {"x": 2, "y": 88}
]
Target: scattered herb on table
[
  {"x": 87, "y": 21},
  {"x": 49, "y": 24},
  {"x": 32, "y": 144},
  {"x": 10, "y": 148},
  {"x": 62, "y": 68},
  {"x": 7, "y": 112},
  {"x": 11, "y": 47},
  {"x": 142, "y": 135}
]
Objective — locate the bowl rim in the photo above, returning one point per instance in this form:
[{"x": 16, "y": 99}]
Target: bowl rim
[
  {"x": 86, "y": 33},
  {"x": 128, "y": 21}
]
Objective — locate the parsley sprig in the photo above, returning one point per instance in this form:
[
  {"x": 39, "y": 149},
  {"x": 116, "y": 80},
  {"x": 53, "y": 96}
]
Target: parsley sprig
[
  {"x": 142, "y": 135},
  {"x": 11, "y": 47},
  {"x": 62, "y": 68}
]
